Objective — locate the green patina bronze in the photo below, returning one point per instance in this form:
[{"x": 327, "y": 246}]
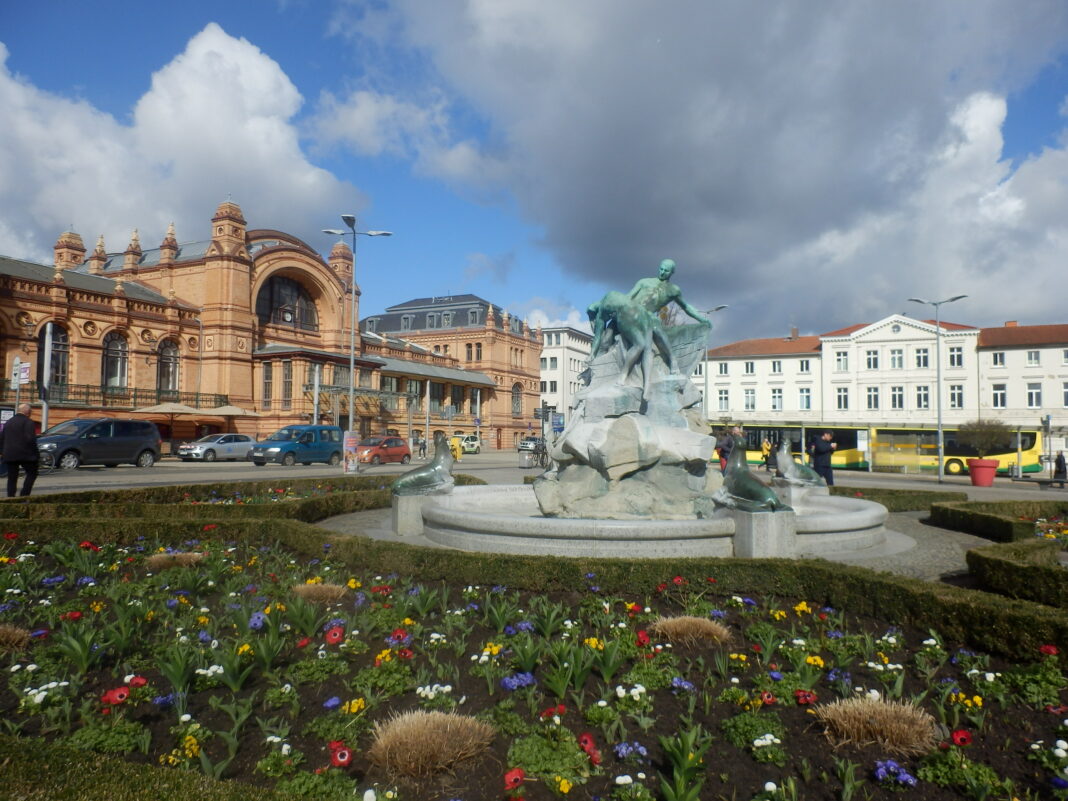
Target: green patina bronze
[{"x": 434, "y": 478}]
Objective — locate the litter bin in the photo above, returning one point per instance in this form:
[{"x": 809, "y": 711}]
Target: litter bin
[{"x": 526, "y": 459}]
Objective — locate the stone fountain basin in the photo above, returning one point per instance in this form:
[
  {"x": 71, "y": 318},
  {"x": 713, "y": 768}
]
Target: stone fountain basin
[{"x": 507, "y": 519}]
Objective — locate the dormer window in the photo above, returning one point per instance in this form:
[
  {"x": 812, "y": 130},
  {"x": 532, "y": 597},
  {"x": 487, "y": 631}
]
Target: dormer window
[{"x": 472, "y": 316}]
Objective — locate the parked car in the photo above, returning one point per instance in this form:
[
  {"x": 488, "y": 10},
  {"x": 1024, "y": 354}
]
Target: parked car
[
  {"x": 471, "y": 444},
  {"x": 529, "y": 444},
  {"x": 304, "y": 444},
  {"x": 217, "y": 446},
  {"x": 102, "y": 440},
  {"x": 376, "y": 450}
]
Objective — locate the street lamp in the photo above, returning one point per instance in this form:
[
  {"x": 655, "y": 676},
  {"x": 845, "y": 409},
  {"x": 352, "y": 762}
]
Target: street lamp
[
  {"x": 708, "y": 407},
  {"x": 350, "y": 222},
  {"x": 938, "y": 370}
]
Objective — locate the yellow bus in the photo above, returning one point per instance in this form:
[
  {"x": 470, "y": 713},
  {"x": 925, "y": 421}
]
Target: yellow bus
[{"x": 896, "y": 449}]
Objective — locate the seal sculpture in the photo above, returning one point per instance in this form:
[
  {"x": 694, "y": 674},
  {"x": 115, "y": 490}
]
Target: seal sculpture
[
  {"x": 742, "y": 490},
  {"x": 434, "y": 478},
  {"x": 795, "y": 472}
]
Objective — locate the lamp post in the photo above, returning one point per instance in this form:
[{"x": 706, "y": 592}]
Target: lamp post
[
  {"x": 708, "y": 407},
  {"x": 350, "y": 223},
  {"x": 938, "y": 370}
]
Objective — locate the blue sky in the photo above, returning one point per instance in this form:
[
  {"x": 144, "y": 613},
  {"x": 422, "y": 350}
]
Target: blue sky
[{"x": 808, "y": 166}]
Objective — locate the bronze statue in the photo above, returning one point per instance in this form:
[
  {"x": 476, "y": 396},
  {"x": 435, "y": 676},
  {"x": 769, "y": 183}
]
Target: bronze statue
[{"x": 433, "y": 478}]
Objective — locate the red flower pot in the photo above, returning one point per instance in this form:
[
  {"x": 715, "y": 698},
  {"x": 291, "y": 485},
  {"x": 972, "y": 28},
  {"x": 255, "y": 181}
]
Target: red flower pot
[{"x": 982, "y": 471}]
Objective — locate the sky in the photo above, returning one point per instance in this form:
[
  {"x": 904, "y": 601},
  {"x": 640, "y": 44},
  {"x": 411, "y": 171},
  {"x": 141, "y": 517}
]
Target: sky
[{"x": 809, "y": 164}]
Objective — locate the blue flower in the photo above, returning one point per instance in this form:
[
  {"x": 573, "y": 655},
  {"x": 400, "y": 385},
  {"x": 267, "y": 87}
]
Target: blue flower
[
  {"x": 85, "y": 581},
  {"x": 524, "y": 625},
  {"x": 204, "y": 636},
  {"x": 775, "y": 675},
  {"x": 172, "y": 603},
  {"x": 509, "y": 630},
  {"x": 52, "y": 581},
  {"x": 590, "y": 576},
  {"x": 680, "y": 685},
  {"x": 1059, "y": 783},
  {"x": 332, "y": 703},
  {"x": 834, "y": 634},
  {"x": 257, "y": 620}
]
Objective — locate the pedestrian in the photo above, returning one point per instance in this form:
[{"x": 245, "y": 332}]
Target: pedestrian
[
  {"x": 18, "y": 448},
  {"x": 1059, "y": 472},
  {"x": 422, "y": 447},
  {"x": 765, "y": 454},
  {"x": 725, "y": 444},
  {"x": 821, "y": 451}
]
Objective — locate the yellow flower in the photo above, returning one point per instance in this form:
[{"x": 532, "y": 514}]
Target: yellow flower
[
  {"x": 253, "y": 561},
  {"x": 236, "y": 568},
  {"x": 491, "y": 648},
  {"x": 314, "y": 580},
  {"x": 883, "y": 657},
  {"x": 739, "y": 657},
  {"x": 594, "y": 643},
  {"x": 203, "y": 620},
  {"x": 803, "y": 608},
  {"x": 978, "y": 701},
  {"x": 814, "y": 660},
  {"x": 562, "y": 784},
  {"x": 778, "y": 614},
  {"x": 183, "y": 600},
  {"x": 384, "y": 656},
  {"x": 353, "y": 584},
  {"x": 281, "y": 607},
  {"x": 244, "y": 648},
  {"x": 190, "y": 746},
  {"x": 150, "y": 615},
  {"x": 97, "y": 606},
  {"x": 354, "y": 706},
  {"x": 408, "y": 621}
]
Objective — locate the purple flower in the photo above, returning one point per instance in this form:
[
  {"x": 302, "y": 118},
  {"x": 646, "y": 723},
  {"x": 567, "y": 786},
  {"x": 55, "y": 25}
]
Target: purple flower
[
  {"x": 775, "y": 675},
  {"x": 524, "y": 625},
  {"x": 333, "y": 622},
  {"x": 518, "y": 681},
  {"x": 834, "y": 634},
  {"x": 1059, "y": 783},
  {"x": 332, "y": 703},
  {"x": 52, "y": 581},
  {"x": 172, "y": 603},
  {"x": 85, "y": 581},
  {"x": 204, "y": 636},
  {"x": 679, "y": 685},
  {"x": 590, "y": 576},
  {"x": 257, "y": 620},
  {"x": 718, "y": 614}
]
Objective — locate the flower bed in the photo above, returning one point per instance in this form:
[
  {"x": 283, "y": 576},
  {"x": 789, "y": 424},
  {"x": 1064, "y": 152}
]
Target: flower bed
[
  {"x": 288, "y": 669},
  {"x": 1001, "y": 521},
  {"x": 1031, "y": 569}
]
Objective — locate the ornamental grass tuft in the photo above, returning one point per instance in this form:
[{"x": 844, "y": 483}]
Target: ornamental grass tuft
[
  {"x": 690, "y": 631},
  {"x": 320, "y": 593},
  {"x": 161, "y": 561},
  {"x": 420, "y": 744},
  {"x": 897, "y": 726},
  {"x": 13, "y": 638}
]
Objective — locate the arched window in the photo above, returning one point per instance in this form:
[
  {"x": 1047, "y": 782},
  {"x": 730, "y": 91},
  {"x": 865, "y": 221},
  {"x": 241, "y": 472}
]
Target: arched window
[
  {"x": 59, "y": 368},
  {"x": 167, "y": 367},
  {"x": 517, "y": 400},
  {"x": 283, "y": 301},
  {"x": 114, "y": 362}
]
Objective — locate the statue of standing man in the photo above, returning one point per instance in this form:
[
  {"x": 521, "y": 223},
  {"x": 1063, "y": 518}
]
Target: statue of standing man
[{"x": 634, "y": 318}]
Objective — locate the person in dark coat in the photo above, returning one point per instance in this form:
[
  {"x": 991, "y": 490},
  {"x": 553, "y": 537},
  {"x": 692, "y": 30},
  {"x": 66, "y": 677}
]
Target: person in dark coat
[
  {"x": 1059, "y": 471},
  {"x": 18, "y": 448},
  {"x": 821, "y": 451}
]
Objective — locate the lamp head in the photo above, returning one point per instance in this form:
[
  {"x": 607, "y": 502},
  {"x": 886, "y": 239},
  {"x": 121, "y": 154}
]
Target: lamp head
[
  {"x": 919, "y": 300},
  {"x": 334, "y": 231},
  {"x": 349, "y": 220},
  {"x": 955, "y": 297},
  {"x": 377, "y": 233}
]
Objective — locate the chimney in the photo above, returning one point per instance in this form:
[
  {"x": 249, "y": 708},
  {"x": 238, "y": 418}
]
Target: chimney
[
  {"x": 1010, "y": 323},
  {"x": 793, "y": 332}
]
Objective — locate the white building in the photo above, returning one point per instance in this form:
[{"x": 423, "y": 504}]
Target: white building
[
  {"x": 564, "y": 354},
  {"x": 885, "y": 374}
]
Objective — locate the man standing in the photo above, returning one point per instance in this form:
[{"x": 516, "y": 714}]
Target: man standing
[
  {"x": 18, "y": 446},
  {"x": 821, "y": 451}
]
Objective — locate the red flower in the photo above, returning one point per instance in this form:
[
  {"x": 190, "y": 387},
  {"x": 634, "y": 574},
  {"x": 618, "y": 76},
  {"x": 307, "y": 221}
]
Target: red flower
[
  {"x": 585, "y": 741},
  {"x": 643, "y": 639},
  {"x": 341, "y": 757},
  {"x": 382, "y": 589},
  {"x": 756, "y": 647},
  {"x": 962, "y": 737},
  {"x": 1048, "y": 650},
  {"x": 303, "y": 642},
  {"x": 710, "y": 580},
  {"x": 209, "y": 526},
  {"x": 398, "y": 635},
  {"x": 661, "y": 586},
  {"x": 85, "y": 545},
  {"x": 334, "y": 745},
  {"x": 71, "y": 616},
  {"x": 405, "y": 653},
  {"x": 822, "y": 615},
  {"x": 138, "y": 681},
  {"x": 805, "y": 697},
  {"x": 514, "y": 778},
  {"x": 334, "y": 635},
  {"x": 595, "y": 756},
  {"x": 767, "y": 698},
  {"x": 116, "y": 696},
  {"x": 858, "y": 494},
  {"x": 11, "y": 535},
  {"x": 678, "y": 581}
]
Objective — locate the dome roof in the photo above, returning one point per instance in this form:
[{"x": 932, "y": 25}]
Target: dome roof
[
  {"x": 70, "y": 239},
  {"x": 228, "y": 210}
]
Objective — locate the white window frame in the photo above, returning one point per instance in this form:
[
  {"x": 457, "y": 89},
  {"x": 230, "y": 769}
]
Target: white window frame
[
  {"x": 842, "y": 399},
  {"x": 872, "y": 396},
  {"x": 750, "y": 400},
  {"x": 804, "y": 399},
  {"x": 897, "y": 397},
  {"x": 956, "y": 396},
  {"x": 923, "y": 358},
  {"x": 1034, "y": 395},
  {"x": 923, "y": 397},
  {"x": 871, "y": 358},
  {"x": 776, "y": 399},
  {"x": 999, "y": 398},
  {"x": 897, "y": 359}
]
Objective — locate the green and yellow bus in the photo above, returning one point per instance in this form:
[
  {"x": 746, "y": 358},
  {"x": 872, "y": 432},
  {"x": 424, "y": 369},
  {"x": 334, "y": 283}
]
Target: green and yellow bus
[{"x": 896, "y": 449}]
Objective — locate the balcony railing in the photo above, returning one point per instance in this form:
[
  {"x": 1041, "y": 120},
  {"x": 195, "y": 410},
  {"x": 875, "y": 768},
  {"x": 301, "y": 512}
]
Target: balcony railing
[{"x": 93, "y": 395}]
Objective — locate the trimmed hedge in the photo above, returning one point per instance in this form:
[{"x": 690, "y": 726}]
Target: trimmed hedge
[
  {"x": 900, "y": 500},
  {"x": 1028, "y": 570},
  {"x": 999, "y": 521},
  {"x": 34, "y": 770}
]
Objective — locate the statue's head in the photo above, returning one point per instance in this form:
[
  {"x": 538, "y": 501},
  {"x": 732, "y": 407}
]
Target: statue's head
[{"x": 667, "y": 267}]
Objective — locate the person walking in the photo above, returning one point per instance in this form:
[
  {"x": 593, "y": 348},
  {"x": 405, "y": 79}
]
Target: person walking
[
  {"x": 765, "y": 454},
  {"x": 422, "y": 447},
  {"x": 18, "y": 448},
  {"x": 1059, "y": 471},
  {"x": 821, "y": 451}
]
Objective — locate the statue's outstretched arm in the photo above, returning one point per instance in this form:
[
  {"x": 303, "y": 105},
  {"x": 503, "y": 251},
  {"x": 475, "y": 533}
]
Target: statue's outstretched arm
[{"x": 694, "y": 313}]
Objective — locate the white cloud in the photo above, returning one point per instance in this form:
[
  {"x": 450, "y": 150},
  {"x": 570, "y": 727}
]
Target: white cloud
[
  {"x": 218, "y": 119},
  {"x": 810, "y": 163}
]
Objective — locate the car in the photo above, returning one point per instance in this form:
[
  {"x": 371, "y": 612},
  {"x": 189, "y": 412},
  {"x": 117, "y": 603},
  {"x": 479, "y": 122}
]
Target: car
[
  {"x": 375, "y": 450},
  {"x": 471, "y": 444},
  {"x": 102, "y": 440},
  {"x": 216, "y": 446},
  {"x": 529, "y": 444},
  {"x": 300, "y": 443}
]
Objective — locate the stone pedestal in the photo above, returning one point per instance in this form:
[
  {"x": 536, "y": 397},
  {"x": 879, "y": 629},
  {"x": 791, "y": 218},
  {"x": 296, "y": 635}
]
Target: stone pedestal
[
  {"x": 765, "y": 534},
  {"x": 408, "y": 515}
]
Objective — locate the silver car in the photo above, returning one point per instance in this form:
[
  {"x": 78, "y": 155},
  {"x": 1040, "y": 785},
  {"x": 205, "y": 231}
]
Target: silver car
[{"x": 217, "y": 446}]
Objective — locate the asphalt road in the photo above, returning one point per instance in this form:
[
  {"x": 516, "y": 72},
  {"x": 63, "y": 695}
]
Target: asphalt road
[{"x": 495, "y": 467}]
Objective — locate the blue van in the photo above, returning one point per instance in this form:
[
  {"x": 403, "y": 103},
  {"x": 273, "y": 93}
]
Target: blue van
[{"x": 304, "y": 444}]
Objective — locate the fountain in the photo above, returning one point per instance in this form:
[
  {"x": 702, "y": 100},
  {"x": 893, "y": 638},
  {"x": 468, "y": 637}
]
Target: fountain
[{"x": 632, "y": 472}]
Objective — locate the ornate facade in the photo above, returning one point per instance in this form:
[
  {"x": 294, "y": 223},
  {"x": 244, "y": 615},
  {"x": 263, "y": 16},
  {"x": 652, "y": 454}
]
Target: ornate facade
[{"x": 252, "y": 318}]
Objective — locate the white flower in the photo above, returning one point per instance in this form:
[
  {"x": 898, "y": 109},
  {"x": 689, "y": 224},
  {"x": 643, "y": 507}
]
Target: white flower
[
  {"x": 1060, "y": 753},
  {"x": 624, "y": 779},
  {"x": 930, "y": 641},
  {"x": 15, "y": 668},
  {"x": 370, "y": 795},
  {"x": 185, "y": 718},
  {"x": 621, "y": 691},
  {"x": 273, "y": 738},
  {"x": 32, "y": 667},
  {"x": 602, "y": 703},
  {"x": 286, "y": 749},
  {"x": 734, "y": 679},
  {"x": 874, "y": 695},
  {"x": 770, "y": 787},
  {"x": 1060, "y": 744},
  {"x": 641, "y": 775}
]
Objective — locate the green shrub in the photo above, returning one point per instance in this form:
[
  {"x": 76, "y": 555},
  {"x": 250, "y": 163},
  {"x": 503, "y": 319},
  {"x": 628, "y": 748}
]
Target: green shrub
[
  {"x": 1029, "y": 570},
  {"x": 900, "y": 500},
  {"x": 1002, "y": 521}
]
